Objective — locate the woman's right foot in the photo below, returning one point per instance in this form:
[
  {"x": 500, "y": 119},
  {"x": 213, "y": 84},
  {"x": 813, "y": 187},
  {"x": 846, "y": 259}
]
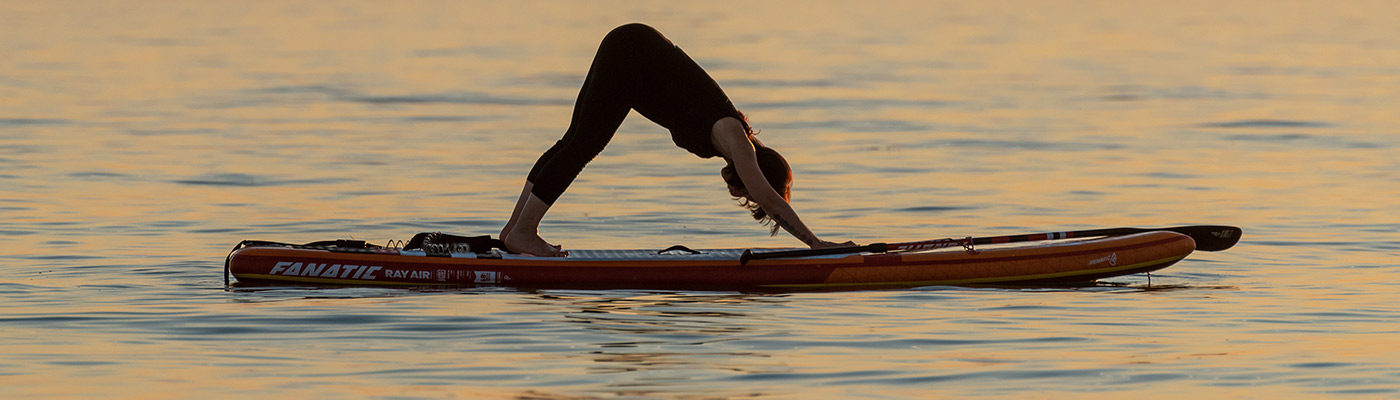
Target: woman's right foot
[{"x": 521, "y": 233}]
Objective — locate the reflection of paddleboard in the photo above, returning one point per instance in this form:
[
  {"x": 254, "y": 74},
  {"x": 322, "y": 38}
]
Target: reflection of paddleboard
[{"x": 349, "y": 263}]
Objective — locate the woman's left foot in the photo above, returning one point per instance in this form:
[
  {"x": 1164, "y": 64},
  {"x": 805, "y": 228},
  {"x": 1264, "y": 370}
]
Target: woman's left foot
[{"x": 525, "y": 243}]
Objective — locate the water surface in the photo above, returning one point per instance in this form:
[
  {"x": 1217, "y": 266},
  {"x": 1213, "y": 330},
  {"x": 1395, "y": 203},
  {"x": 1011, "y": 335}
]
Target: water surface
[{"x": 140, "y": 141}]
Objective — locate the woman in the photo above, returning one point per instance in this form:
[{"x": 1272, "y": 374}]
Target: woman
[{"x": 637, "y": 68}]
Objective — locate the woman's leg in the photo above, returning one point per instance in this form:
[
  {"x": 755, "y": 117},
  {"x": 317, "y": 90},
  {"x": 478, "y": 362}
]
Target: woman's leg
[
  {"x": 603, "y": 102},
  {"x": 519, "y": 205},
  {"x": 635, "y": 67}
]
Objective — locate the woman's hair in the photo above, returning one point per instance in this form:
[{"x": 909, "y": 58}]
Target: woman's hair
[{"x": 774, "y": 168}]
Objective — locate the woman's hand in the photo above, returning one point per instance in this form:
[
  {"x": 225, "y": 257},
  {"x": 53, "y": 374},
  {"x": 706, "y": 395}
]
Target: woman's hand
[{"x": 822, "y": 244}]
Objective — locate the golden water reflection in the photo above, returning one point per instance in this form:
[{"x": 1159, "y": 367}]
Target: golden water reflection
[{"x": 139, "y": 141}]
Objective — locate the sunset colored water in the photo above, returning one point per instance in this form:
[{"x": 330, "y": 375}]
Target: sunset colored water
[{"x": 139, "y": 141}]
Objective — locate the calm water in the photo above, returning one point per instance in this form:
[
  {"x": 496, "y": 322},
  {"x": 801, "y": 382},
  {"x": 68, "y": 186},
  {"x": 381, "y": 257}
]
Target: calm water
[{"x": 139, "y": 141}]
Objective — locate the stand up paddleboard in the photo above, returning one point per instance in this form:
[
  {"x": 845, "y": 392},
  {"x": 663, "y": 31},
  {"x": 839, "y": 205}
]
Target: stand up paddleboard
[{"x": 446, "y": 260}]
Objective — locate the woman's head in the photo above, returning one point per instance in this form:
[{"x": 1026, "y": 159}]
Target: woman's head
[{"x": 775, "y": 170}]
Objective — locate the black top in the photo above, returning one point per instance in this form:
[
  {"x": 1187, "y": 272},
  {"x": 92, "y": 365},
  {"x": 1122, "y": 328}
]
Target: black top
[{"x": 695, "y": 136}]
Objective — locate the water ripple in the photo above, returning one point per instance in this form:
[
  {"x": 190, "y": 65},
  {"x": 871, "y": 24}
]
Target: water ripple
[
  {"x": 865, "y": 104},
  {"x": 456, "y": 98},
  {"x": 248, "y": 180},
  {"x": 1267, "y": 123},
  {"x": 933, "y": 209},
  {"x": 782, "y": 83},
  {"x": 1025, "y": 145},
  {"x": 21, "y": 122},
  {"x": 873, "y": 125}
]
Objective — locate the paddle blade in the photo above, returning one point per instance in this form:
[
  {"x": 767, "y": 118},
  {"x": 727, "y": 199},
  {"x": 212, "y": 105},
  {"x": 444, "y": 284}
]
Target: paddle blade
[{"x": 1211, "y": 237}]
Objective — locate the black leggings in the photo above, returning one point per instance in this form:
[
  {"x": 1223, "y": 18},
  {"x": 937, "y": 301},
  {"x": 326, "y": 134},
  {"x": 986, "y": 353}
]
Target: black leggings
[{"x": 635, "y": 68}]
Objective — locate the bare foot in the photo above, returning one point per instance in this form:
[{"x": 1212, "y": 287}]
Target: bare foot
[{"x": 531, "y": 244}]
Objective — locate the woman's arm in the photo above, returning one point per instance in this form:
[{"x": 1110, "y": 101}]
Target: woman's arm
[{"x": 732, "y": 141}]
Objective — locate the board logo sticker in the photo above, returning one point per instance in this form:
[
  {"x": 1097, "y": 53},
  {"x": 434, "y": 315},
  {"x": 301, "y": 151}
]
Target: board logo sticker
[
  {"x": 1111, "y": 259},
  {"x": 289, "y": 268}
]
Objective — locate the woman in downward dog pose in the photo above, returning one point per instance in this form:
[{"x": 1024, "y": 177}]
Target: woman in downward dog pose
[{"x": 636, "y": 68}]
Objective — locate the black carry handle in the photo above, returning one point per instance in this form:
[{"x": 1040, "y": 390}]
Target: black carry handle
[{"x": 750, "y": 255}]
